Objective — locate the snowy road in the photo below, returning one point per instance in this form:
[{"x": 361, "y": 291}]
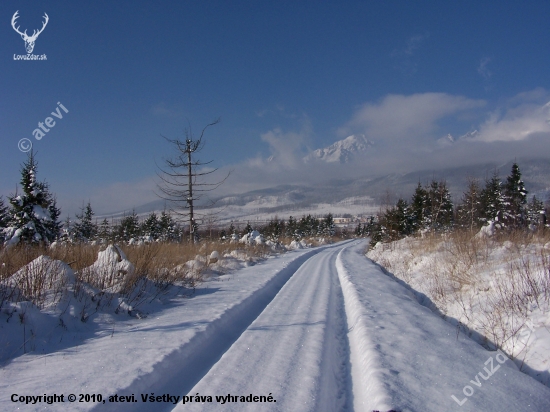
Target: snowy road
[
  {"x": 342, "y": 335},
  {"x": 317, "y": 330},
  {"x": 296, "y": 349}
]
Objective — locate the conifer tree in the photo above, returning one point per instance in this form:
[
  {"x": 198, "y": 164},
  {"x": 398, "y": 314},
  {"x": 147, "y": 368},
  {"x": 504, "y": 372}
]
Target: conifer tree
[
  {"x": 308, "y": 226},
  {"x": 274, "y": 229},
  {"x": 515, "y": 196},
  {"x": 328, "y": 227},
  {"x": 419, "y": 208},
  {"x": 404, "y": 218},
  {"x": 358, "y": 232},
  {"x": 151, "y": 227},
  {"x": 169, "y": 231},
  {"x": 368, "y": 227},
  {"x": 535, "y": 213},
  {"x": 291, "y": 227},
  {"x": 377, "y": 232},
  {"x": 181, "y": 181},
  {"x": 397, "y": 221},
  {"x": 492, "y": 201},
  {"x": 85, "y": 229},
  {"x": 469, "y": 211},
  {"x": 128, "y": 228},
  {"x": 54, "y": 226},
  {"x": 34, "y": 213},
  {"x": 104, "y": 231},
  {"x": 440, "y": 206}
]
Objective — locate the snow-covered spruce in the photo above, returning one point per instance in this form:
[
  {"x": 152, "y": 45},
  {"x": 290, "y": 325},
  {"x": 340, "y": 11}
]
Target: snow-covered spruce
[{"x": 33, "y": 216}]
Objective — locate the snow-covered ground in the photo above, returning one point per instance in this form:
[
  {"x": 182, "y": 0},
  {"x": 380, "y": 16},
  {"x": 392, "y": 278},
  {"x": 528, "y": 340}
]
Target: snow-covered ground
[
  {"x": 321, "y": 329},
  {"x": 498, "y": 289},
  {"x": 261, "y": 210}
]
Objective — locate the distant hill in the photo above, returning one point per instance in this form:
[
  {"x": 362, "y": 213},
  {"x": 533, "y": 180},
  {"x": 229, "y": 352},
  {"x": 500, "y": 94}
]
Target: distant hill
[{"x": 357, "y": 195}]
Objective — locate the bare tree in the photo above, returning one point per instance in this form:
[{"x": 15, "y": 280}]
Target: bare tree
[{"x": 182, "y": 181}]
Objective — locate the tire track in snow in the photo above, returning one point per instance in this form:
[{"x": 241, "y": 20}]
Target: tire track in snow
[
  {"x": 368, "y": 389},
  {"x": 178, "y": 372},
  {"x": 296, "y": 349}
]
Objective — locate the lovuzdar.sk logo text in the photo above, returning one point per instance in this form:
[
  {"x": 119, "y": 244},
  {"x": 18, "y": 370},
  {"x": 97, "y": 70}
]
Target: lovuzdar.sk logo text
[{"x": 29, "y": 40}]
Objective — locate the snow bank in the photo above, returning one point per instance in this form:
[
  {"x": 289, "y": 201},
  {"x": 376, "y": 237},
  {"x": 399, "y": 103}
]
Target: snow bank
[
  {"x": 496, "y": 289},
  {"x": 253, "y": 238},
  {"x": 297, "y": 244},
  {"x": 369, "y": 392},
  {"x": 42, "y": 281},
  {"x": 109, "y": 270},
  {"x": 427, "y": 363}
]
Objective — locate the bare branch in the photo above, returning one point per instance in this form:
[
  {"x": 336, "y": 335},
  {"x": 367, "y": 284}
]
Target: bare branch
[{"x": 180, "y": 181}]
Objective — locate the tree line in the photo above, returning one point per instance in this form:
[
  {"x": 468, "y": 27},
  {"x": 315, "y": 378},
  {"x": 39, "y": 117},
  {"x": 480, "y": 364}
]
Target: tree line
[
  {"x": 504, "y": 205},
  {"x": 32, "y": 217},
  {"x": 276, "y": 229}
]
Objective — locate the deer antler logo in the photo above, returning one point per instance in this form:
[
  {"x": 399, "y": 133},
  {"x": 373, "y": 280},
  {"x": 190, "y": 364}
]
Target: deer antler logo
[{"x": 29, "y": 40}]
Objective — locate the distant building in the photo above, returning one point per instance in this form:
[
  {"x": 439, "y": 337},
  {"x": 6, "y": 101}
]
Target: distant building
[{"x": 342, "y": 220}]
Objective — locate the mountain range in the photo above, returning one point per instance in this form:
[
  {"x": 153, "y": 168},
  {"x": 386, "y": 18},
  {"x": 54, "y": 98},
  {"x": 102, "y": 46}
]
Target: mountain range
[
  {"x": 357, "y": 195},
  {"x": 343, "y": 151}
]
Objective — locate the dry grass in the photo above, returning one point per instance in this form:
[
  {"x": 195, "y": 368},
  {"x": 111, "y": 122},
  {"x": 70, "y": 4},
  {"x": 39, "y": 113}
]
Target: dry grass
[
  {"x": 158, "y": 267},
  {"x": 489, "y": 284}
]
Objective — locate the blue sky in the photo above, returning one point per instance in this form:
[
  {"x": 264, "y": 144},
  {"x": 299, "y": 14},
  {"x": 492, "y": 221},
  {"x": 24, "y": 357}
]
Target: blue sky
[{"x": 292, "y": 74}]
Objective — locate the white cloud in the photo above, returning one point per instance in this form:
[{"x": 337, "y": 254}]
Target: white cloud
[
  {"x": 287, "y": 148},
  {"x": 483, "y": 68},
  {"x": 404, "y": 57},
  {"x": 522, "y": 119},
  {"x": 406, "y": 118},
  {"x": 414, "y": 43},
  {"x": 405, "y": 131}
]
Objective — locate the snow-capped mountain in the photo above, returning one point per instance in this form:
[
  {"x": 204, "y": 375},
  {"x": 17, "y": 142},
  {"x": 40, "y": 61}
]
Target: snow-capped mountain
[
  {"x": 353, "y": 195},
  {"x": 449, "y": 139},
  {"x": 343, "y": 151},
  {"x": 469, "y": 135},
  {"x": 446, "y": 140}
]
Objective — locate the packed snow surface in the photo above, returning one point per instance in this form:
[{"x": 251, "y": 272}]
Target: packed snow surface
[{"x": 321, "y": 329}]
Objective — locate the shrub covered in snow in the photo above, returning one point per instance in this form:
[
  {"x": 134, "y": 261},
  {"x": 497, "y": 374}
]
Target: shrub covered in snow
[
  {"x": 214, "y": 257},
  {"x": 252, "y": 238},
  {"x": 109, "y": 270}
]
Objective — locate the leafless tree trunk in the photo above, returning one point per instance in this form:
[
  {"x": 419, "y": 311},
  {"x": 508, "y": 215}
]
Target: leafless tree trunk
[{"x": 181, "y": 182}]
